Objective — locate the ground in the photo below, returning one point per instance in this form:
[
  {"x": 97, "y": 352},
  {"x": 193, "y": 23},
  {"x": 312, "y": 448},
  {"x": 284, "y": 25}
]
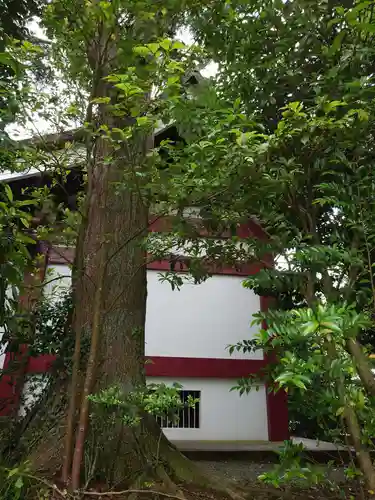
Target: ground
[{"x": 244, "y": 473}]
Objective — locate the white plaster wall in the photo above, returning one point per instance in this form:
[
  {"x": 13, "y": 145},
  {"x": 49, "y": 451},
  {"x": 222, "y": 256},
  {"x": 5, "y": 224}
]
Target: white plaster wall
[
  {"x": 195, "y": 321},
  {"x": 224, "y": 415},
  {"x": 199, "y": 320},
  {"x": 54, "y": 286}
]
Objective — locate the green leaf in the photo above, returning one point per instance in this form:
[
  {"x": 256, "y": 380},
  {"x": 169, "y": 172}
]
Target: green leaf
[
  {"x": 8, "y": 192},
  {"x": 337, "y": 42},
  {"x": 154, "y": 47},
  {"x": 142, "y": 121},
  {"x": 172, "y": 80},
  {"x": 166, "y": 44},
  {"x": 24, "y": 203},
  {"x": 361, "y": 399},
  {"x": 178, "y": 45},
  {"x": 330, "y": 326},
  {"x": 12, "y": 472},
  {"x": 363, "y": 115},
  {"x": 299, "y": 383},
  {"x": 26, "y": 239},
  {"x": 101, "y": 100},
  {"x": 334, "y": 21},
  {"x": 367, "y": 27},
  {"x": 8, "y": 60},
  {"x": 353, "y": 13},
  {"x": 19, "y": 483},
  {"x": 310, "y": 327},
  {"x": 141, "y": 50}
]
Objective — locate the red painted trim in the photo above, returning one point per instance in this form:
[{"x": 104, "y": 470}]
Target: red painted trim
[
  {"x": 168, "y": 366},
  {"x": 61, "y": 255},
  {"x": 8, "y": 398},
  {"x": 252, "y": 229},
  {"x": 40, "y": 364},
  {"x": 181, "y": 265},
  {"x": 65, "y": 255},
  {"x": 247, "y": 230},
  {"x": 277, "y": 402},
  {"x": 277, "y": 414},
  {"x": 165, "y": 366},
  {"x": 11, "y": 385}
]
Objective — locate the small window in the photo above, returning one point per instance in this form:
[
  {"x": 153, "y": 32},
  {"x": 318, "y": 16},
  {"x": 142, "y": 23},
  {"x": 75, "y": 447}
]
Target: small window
[{"x": 188, "y": 418}]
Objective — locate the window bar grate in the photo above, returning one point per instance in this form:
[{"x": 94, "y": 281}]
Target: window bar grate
[{"x": 188, "y": 418}]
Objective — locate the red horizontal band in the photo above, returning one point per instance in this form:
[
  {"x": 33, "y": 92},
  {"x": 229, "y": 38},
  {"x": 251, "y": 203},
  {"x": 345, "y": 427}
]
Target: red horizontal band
[
  {"x": 246, "y": 230},
  {"x": 165, "y": 366},
  {"x": 65, "y": 256},
  {"x": 181, "y": 266}
]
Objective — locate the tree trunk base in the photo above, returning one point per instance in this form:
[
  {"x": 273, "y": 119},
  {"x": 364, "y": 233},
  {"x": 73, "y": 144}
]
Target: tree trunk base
[{"x": 137, "y": 459}]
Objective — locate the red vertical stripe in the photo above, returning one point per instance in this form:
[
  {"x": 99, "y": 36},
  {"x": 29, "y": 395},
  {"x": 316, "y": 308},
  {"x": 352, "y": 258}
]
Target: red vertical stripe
[{"x": 277, "y": 402}]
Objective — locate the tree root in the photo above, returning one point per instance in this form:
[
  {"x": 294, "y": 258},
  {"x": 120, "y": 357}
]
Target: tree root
[
  {"x": 224, "y": 488},
  {"x": 186, "y": 471},
  {"x": 171, "y": 485}
]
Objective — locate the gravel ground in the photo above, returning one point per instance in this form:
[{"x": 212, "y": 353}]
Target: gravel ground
[
  {"x": 244, "y": 471},
  {"x": 236, "y": 470}
]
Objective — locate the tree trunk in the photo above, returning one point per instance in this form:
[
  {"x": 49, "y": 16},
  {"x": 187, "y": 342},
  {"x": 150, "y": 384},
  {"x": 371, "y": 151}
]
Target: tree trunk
[
  {"x": 117, "y": 221},
  {"x": 114, "y": 452},
  {"x": 363, "y": 455},
  {"x": 360, "y": 360},
  {"x": 116, "y": 224}
]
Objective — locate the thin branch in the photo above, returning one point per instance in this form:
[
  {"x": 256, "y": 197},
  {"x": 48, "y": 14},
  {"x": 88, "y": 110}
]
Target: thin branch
[
  {"x": 38, "y": 479},
  {"x": 124, "y": 492},
  {"x": 55, "y": 249},
  {"x": 128, "y": 240},
  {"x": 48, "y": 282},
  {"x": 89, "y": 377}
]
